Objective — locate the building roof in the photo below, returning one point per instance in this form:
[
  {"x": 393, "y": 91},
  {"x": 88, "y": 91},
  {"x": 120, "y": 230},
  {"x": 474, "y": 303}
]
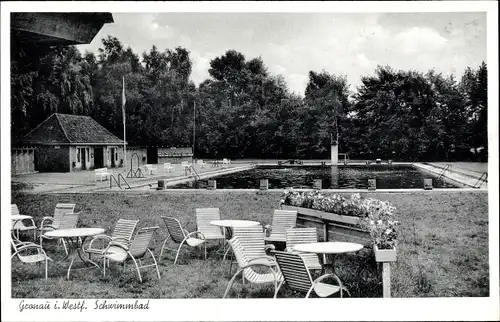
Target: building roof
[{"x": 70, "y": 129}]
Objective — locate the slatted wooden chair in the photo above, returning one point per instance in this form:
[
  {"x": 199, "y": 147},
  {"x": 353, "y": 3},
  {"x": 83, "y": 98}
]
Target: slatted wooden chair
[
  {"x": 28, "y": 252},
  {"x": 203, "y": 218},
  {"x": 282, "y": 220},
  {"x": 55, "y": 220},
  {"x": 180, "y": 236},
  {"x": 298, "y": 278},
  {"x": 122, "y": 233},
  {"x": 246, "y": 267},
  {"x": 252, "y": 238},
  {"x": 295, "y": 236},
  {"x": 22, "y": 225},
  {"x": 67, "y": 221},
  {"x": 137, "y": 251}
]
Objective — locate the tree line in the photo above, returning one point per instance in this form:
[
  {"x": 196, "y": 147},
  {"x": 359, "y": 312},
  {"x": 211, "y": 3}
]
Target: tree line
[{"x": 243, "y": 111}]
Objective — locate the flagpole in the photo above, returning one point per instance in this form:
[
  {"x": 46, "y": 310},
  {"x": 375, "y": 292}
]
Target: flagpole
[{"x": 124, "y": 128}]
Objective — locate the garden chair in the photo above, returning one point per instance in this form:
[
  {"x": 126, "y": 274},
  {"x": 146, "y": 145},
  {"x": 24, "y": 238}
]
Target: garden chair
[
  {"x": 22, "y": 251},
  {"x": 298, "y": 278},
  {"x": 226, "y": 161},
  {"x": 180, "y": 236},
  {"x": 203, "y": 218},
  {"x": 55, "y": 220},
  {"x": 20, "y": 225},
  {"x": 201, "y": 163},
  {"x": 282, "y": 220},
  {"x": 123, "y": 232},
  {"x": 252, "y": 238},
  {"x": 295, "y": 236},
  {"x": 246, "y": 265},
  {"x": 68, "y": 221},
  {"x": 168, "y": 167},
  {"x": 138, "y": 249}
]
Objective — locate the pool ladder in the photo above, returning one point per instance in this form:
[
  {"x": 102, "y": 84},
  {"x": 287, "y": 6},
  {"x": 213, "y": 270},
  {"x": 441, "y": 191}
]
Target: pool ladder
[
  {"x": 118, "y": 181},
  {"x": 441, "y": 175},
  {"x": 193, "y": 172}
]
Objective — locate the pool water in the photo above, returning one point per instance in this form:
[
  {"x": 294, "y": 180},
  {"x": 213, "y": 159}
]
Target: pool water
[{"x": 341, "y": 177}]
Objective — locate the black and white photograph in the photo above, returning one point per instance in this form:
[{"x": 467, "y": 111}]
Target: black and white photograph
[{"x": 309, "y": 156}]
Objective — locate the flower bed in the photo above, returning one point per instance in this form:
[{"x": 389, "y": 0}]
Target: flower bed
[{"x": 375, "y": 216}]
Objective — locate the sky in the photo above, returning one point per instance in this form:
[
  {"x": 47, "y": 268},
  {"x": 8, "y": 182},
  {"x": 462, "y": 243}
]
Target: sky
[{"x": 292, "y": 44}]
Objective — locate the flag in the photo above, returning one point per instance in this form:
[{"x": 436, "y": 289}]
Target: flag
[{"x": 124, "y": 100}]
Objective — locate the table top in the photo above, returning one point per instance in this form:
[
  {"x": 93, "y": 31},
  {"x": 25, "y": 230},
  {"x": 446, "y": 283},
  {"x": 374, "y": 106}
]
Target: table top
[
  {"x": 234, "y": 223},
  {"x": 20, "y": 217},
  {"x": 75, "y": 232},
  {"x": 328, "y": 247}
]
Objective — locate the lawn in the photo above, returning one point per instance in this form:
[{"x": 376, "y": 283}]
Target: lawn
[{"x": 443, "y": 249}]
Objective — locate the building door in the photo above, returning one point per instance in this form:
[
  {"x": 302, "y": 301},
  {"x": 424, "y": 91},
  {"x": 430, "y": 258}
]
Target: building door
[
  {"x": 112, "y": 157},
  {"x": 84, "y": 158},
  {"x": 98, "y": 157},
  {"x": 152, "y": 155}
]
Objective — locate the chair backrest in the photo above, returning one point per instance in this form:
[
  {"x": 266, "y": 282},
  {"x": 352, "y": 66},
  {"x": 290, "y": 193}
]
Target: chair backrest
[
  {"x": 124, "y": 229},
  {"x": 294, "y": 270},
  {"x": 61, "y": 209},
  {"x": 239, "y": 251},
  {"x": 203, "y": 218},
  {"x": 295, "y": 236},
  {"x": 69, "y": 220},
  {"x": 13, "y": 209},
  {"x": 141, "y": 241},
  {"x": 174, "y": 229},
  {"x": 252, "y": 239},
  {"x": 283, "y": 219}
]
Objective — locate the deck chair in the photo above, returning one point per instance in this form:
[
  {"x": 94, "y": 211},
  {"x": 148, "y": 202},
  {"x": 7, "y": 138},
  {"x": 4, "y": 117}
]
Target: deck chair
[
  {"x": 282, "y": 220},
  {"x": 180, "y": 236},
  {"x": 203, "y": 218},
  {"x": 68, "y": 221},
  {"x": 37, "y": 254},
  {"x": 252, "y": 238},
  {"x": 22, "y": 225},
  {"x": 137, "y": 251},
  {"x": 246, "y": 265},
  {"x": 168, "y": 167},
  {"x": 295, "y": 236},
  {"x": 123, "y": 233},
  {"x": 55, "y": 220},
  {"x": 298, "y": 278}
]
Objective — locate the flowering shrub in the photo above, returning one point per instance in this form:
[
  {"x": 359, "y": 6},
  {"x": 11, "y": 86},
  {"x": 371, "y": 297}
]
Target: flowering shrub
[{"x": 374, "y": 215}]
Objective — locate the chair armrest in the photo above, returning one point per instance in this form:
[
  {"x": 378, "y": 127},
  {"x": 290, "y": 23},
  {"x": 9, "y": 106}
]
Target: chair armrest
[
  {"x": 45, "y": 219},
  {"x": 199, "y": 233},
  {"x": 322, "y": 277},
  {"x": 28, "y": 246},
  {"x": 113, "y": 243},
  {"x": 267, "y": 229},
  {"x": 98, "y": 237},
  {"x": 262, "y": 260}
]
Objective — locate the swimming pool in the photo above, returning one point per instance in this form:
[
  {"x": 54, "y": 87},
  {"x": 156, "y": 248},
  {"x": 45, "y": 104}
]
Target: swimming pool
[{"x": 342, "y": 177}]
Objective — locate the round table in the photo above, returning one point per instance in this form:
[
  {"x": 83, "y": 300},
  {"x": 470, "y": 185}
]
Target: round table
[
  {"x": 17, "y": 218},
  {"x": 228, "y": 224},
  {"x": 75, "y": 238}
]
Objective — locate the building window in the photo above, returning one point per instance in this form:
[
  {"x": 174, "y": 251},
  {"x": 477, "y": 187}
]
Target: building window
[
  {"x": 78, "y": 155},
  {"x": 88, "y": 154},
  {"x": 116, "y": 156}
]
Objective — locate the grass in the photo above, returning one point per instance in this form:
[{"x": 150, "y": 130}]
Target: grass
[{"x": 443, "y": 247}]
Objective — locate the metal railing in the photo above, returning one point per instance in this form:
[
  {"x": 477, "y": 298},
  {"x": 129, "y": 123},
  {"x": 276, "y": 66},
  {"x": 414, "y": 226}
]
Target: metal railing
[
  {"x": 193, "y": 172},
  {"x": 118, "y": 181},
  {"x": 447, "y": 167},
  {"x": 483, "y": 178}
]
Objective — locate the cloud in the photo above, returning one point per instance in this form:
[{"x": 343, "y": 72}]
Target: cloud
[
  {"x": 364, "y": 61},
  {"x": 417, "y": 39}
]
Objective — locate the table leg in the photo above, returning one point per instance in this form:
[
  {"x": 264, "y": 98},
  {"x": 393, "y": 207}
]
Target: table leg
[
  {"x": 74, "y": 250},
  {"x": 329, "y": 268}
]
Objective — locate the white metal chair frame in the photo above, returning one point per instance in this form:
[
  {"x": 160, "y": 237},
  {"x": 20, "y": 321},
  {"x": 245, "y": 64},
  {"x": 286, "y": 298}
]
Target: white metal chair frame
[
  {"x": 68, "y": 221},
  {"x": 282, "y": 220},
  {"x": 37, "y": 258},
  {"x": 296, "y": 236},
  {"x": 19, "y": 224},
  {"x": 203, "y": 218},
  {"x": 294, "y": 261},
  {"x": 138, "y": 249},
  {"x": 122, "y": 233},
  {"x": 246, "y": 267},
  {"x": 179, "y": 235}
]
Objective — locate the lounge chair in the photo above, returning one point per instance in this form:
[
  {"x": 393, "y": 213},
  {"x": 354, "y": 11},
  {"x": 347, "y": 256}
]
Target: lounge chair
[
  {"x": 21, "y": 250},
  {"x": 201, "y": 163},
  {"x": 180, "y": 236},
  {"x": 246, "y": 265},
  {"x": 123, "y": 232},
  {"x": 252, "y": 239},
  {"x": 68, "y": 221},
  {"x": 55, "y": 220},
  {"x": 138, "y": 249},
  {"x": 282, "y": 220},
  {"x": 295, "y": 236},
  {"x": 22, "y": 225},
  {"x": 203, "y": 218},
  {"x": 298, "y": 278}
]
